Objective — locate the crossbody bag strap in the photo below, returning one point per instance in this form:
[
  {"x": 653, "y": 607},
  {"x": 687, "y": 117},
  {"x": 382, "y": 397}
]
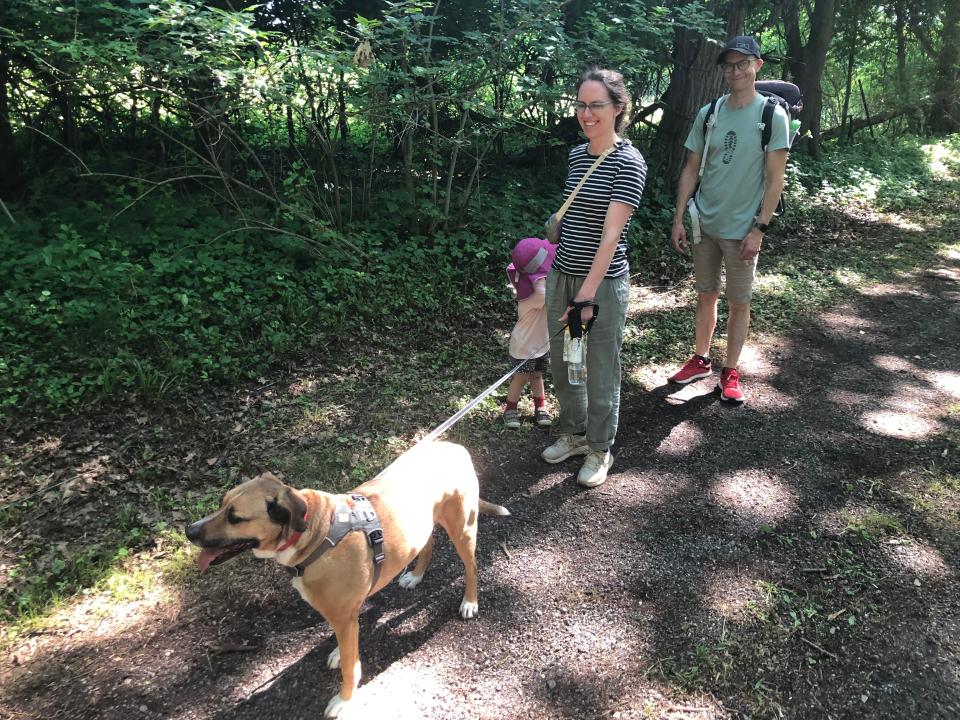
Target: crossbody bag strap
[{"x": 603, "y": 156}]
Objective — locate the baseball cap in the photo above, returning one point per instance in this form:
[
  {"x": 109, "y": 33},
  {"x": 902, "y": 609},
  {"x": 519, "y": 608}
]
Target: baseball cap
[{"x": 741, "y": 44}]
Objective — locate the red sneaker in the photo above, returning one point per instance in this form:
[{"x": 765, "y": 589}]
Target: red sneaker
[
  {"x": 729, "y": 386},
  {"x": 693, "y": 369}
]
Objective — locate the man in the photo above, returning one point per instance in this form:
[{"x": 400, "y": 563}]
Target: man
[{"x": 735, "y": 201}]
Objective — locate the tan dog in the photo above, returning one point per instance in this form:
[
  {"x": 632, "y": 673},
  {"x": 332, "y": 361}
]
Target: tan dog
[{"x": 434, "y": 484}]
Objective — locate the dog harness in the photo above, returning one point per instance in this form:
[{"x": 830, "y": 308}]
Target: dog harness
[{"x": 346, "y": 519}]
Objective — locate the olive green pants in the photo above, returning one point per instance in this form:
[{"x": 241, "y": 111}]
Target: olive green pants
[{"x": 594, "y": 407}]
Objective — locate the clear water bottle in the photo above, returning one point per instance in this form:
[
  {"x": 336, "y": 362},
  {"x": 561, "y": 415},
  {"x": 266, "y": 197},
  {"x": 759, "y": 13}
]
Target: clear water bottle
[{"x": 575, "y": 355}]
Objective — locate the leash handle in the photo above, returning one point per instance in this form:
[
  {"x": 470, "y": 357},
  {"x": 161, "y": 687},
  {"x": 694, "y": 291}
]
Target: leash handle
[{"x": 574, "y": 322}]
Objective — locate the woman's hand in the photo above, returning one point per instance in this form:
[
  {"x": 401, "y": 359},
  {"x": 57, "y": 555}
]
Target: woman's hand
[{"x": 585, "y": 313}]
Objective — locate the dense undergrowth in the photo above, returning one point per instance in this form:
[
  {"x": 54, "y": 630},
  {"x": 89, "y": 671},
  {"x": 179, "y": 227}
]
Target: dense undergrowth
[
  {"x": 157, "y": 301},
  {"x": 109, "y": 296}
]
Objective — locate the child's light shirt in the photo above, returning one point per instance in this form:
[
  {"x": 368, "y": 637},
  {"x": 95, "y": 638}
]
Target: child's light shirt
[{"x": 530, "y": 335}]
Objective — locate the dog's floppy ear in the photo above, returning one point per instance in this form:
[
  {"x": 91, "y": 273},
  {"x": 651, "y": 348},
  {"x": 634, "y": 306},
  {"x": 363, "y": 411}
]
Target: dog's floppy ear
[{"x": 288, "y": 509}]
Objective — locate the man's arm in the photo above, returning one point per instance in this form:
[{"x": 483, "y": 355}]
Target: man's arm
[
  {"x": 775, "y": 164},
  {"x": 685, "y": 188}
]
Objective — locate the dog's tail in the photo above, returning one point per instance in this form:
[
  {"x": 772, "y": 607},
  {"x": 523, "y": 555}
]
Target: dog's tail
[{"x": 488, "y": 508}]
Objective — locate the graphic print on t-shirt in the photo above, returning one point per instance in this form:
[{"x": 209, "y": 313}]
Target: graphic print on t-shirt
[{"x": 729, "y": 146}]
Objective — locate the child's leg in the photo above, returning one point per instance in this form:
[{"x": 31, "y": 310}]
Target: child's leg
[
  {"x": 516, "y": 387},
  {"x": 541, "y": 416},
  {"x": 511, "y": 418},
  {"x": 537, "y": 391}
]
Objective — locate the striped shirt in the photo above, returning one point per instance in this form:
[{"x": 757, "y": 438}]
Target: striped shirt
[{"x": 619, "y": 178}]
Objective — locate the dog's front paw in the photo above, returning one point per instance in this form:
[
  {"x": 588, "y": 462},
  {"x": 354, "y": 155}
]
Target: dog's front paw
[
  {"x": 333, "y": 659},
  {"x": 409, "y": 581},
  {"x": 469, "y": 610},
  {"x": 337, "y": 707}
]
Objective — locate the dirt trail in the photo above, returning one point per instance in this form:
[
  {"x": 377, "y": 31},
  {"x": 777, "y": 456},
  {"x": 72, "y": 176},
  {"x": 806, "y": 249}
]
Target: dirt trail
[{"x": 790, "y": 558}]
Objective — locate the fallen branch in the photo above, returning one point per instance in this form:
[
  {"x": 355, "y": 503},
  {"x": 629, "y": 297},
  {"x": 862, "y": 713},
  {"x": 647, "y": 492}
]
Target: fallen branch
[
  {"x": 503, "y": 546},
  {"x": 817, "y": 647},
  {"x": 861, "y": 123},
  {"x": 224, "y": 649}
]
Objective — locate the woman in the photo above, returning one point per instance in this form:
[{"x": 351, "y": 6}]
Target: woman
[{"x": 591, "y": 266}]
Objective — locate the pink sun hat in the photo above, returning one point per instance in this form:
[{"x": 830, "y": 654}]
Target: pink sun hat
[{"x": 532, "y": 259}]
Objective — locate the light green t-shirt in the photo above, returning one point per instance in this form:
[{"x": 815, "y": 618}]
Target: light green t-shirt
[{"x": 731, "y": 189}]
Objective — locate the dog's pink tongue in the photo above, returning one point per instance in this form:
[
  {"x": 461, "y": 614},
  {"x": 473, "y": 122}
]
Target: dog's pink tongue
[{"x": 205, "y": 558}]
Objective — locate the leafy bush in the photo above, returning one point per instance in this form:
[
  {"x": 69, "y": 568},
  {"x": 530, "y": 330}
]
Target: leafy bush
[
  {"x": 166, "y": 296},
  {"x": 893, "y": 175}
]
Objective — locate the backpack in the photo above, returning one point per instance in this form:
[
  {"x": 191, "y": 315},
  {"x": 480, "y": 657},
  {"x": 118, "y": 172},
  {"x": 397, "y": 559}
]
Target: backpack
[{"x": 776, "y": 92}]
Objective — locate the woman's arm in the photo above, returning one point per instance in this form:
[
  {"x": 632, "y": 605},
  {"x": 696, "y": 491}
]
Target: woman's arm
[{"x": 618, "y": 214}]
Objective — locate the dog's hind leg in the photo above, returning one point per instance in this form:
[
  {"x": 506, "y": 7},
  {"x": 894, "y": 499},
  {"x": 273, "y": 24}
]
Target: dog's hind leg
[
  {"x": 461, "y": 525},
  {"x": 348, "y": 647},
  {"x": 412, "y": 578},
  {"x": 466, "y": 546}
]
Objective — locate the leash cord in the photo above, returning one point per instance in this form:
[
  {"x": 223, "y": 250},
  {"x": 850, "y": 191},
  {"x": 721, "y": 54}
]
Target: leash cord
[{"x": 457, "y": 416}]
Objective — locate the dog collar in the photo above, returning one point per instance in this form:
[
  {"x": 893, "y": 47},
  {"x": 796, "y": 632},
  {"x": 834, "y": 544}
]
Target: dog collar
[{"x": 293, "y": 538}]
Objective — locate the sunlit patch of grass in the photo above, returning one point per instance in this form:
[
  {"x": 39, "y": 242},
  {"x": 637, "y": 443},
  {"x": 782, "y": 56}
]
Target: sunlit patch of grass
[
  {"x": 321, "y": 414},
  {"x": 664, "y": 335},
  {"x": 848, "y": 277},
  {"x": 873, "y": 524},
  {"x": 943, "y": 159},
  {"x": 128, "y": 577},
  {"x": 935, "y": 493}
]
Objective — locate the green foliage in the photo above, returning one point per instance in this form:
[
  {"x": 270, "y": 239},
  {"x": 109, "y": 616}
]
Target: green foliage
[
  {"x": 894, "y": 175},
  {"x": 165, "y": 296},
  {"x": 169, "y": 295}
]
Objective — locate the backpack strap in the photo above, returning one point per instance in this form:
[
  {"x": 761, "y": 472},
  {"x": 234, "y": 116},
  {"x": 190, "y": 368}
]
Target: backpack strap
[
  {"x": 766, "y": 122},
  {"x": 709, "y": 116},
  {"x": 766, "y": 131},
  {"x": 709, "y": 122}
]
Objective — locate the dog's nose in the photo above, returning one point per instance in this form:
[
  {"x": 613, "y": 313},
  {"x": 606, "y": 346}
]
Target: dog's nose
[{"x": 193, "y": 531}]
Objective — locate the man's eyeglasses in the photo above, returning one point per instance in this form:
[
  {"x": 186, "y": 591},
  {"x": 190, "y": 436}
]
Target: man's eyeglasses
[
  {"x": 738, "y": 66},
  {"x": 595, "y": 106}
]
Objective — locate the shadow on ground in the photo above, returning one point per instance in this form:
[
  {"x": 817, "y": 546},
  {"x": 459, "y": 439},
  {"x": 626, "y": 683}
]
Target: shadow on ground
[{"x": 796, "y": 557}]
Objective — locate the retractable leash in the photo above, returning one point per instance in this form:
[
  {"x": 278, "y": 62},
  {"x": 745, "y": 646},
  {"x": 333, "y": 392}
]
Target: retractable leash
[
  {"x": 456, "y": 417},
  {"x": 573, "y": 320}
]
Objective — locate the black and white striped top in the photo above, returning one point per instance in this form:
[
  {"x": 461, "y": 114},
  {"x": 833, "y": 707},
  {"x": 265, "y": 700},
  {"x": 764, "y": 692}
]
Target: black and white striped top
[{"x": 619, "y": 178}]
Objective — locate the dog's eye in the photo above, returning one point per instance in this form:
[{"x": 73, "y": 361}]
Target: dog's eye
[{"x": 233, "y": 518}]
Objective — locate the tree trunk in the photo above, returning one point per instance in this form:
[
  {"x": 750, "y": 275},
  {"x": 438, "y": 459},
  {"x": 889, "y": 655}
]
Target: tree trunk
[
  {"x": 291, "y": 135},
  {"x": 11, "y": 167},
  {"x": 695, "y": 80},
  {"x": 409, "y": 181},
  {"x": 70, "y": 135},
  {"x": 900, "y": 27},
  {"x": 945, "y": 113},
  {"x": 807, "y": 62},
  {"x": 851, "y": 59},
  {"x": 342, "y": 109},
  {"x": 207, "y": 110}
]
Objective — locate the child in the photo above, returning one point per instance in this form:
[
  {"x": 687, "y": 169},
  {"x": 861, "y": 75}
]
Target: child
[{"x": 529, "y": 341}]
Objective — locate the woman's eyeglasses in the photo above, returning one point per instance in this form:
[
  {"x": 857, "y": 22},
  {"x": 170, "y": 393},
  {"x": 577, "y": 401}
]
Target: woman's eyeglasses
[
  {"x": 594, "y": 106},
  {"x": 738, "y": 66}
]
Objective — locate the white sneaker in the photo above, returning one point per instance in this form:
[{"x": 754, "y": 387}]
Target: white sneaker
[
  {"x": 566, "y": 446},
  {"x": 594, "y": 470}
]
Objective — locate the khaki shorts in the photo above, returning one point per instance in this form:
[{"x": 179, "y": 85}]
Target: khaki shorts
[{"x": 708, "y": 257}]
